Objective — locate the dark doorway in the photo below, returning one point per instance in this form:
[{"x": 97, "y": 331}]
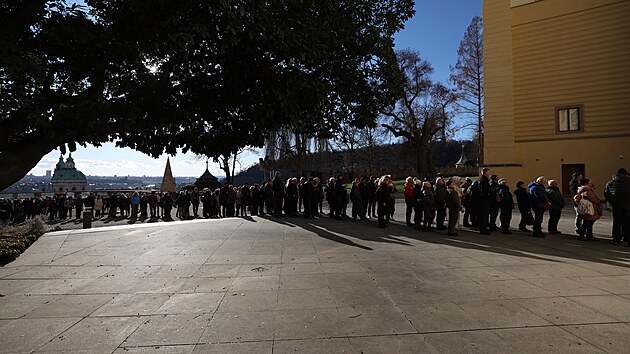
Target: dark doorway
[{"x": 567, "y": 172}]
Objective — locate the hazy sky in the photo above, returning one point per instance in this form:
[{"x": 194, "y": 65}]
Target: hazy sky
[{"x": 435, "y": 31}]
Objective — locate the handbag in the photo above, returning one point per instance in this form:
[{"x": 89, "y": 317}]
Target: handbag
[
  {"x": 543, "y": 205},
  {"x": 585, "y": 207}
]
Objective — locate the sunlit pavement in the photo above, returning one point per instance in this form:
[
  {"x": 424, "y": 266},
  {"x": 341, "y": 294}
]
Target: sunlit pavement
[{"x": 262, "y": 285}]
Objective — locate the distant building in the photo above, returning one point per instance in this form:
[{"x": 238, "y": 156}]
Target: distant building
[
  {"x": 168, "y": 182},
  {"x": 48, "y": 173},
  {"x": 207, "y": 180},
  {"x": 67, "y": 178},
  {"x": 557, "y": 88}
]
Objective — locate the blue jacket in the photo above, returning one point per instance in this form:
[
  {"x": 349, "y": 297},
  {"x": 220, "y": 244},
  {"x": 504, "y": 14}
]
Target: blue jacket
[{"x": 537, "y": 194}]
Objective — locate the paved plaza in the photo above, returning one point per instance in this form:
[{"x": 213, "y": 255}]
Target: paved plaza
[{"x": 287, "y": 285}]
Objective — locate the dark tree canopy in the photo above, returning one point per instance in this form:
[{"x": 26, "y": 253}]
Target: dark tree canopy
[{"x": 205, "y": 76}]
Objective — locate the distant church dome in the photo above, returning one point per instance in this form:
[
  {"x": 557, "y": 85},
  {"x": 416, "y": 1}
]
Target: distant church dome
[{"x": 67, "y": 178}]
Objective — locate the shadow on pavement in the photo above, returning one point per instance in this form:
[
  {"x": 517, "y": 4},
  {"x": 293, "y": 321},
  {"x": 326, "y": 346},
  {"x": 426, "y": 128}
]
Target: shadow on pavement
[{"x": 518, "y": 244}]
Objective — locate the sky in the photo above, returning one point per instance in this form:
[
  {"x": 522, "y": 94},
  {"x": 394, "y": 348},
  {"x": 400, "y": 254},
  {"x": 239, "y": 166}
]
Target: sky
[{"x": 435, "y": 32}]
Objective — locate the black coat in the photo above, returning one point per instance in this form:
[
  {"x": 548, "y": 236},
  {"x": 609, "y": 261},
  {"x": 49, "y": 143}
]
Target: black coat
[
  {"x": 617, "y": 192},
  {"x": 507, "y": 202},
  {"x": 523, "y": 200}
]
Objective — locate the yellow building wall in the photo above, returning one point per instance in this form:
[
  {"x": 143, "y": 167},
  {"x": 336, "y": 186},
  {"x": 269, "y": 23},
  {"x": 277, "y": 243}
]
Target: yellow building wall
[
  {"x": 546, "y": 159},
  {"x": 499, "y": 113},
  {"x": 560, "y": 53},
  {"x": 576, "y": 58}
]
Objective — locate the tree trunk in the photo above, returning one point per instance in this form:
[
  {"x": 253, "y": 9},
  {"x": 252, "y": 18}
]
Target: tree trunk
[
  {"x": 226, "y": 169},
  {"x": 480, "y": 133},
  {"x": 17, "y": 162},
  {"x": 424, "y": 162}
]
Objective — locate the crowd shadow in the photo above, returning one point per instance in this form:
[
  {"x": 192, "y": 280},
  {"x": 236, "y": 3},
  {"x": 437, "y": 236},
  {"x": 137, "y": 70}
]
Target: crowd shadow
[{"x": 520, "y": 244}]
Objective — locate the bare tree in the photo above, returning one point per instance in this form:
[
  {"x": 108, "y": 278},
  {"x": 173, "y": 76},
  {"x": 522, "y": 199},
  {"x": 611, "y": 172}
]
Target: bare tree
[
  {"x": 369, "y": 155},
  {"x": 467, "y": 76},
  {"x": 347, "y": 140},
  {"x": 422, "y": 113}
]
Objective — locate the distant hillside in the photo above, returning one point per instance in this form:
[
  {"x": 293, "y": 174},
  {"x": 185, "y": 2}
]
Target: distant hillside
[{"x": 396, "y": 159}]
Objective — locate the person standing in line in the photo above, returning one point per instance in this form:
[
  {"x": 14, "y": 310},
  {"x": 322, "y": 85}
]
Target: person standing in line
[
  {"x": 486, "y": 198},
  {"x": 98, "y": 206},
  {"x": 494, "y": 206},
  {"x": 617, "y": 193},
  {"x": 301, "y": 190},
  {"x": 372, "y": 184},
  {"x": 135, "y": 203},
  {"x": 206, "y": 200},
  {"x": 556, "y": 204},
  {"x": 339, "y": 194},
  {"x": 194, "y": 200},
  {"x": 418, "y": 204},
  {"x": 167, "y": 202},
  {"x": 522, "y": 199},
  {"x": 239, "y": 201},
  {"x": 292, "y": 196},
  {"x": 307, "y": 194},
  {"x": 365, "y": 196},
  {"x": 223, "y": 198},
  {"x": 429, "y": 206},
  {"x": 318, "y": 198},
  {"x": 231, "y": 201},
  {"x": 539, "y": 202},
  {"x": 144, "y": 203},
  {"x": 441, "y": 194},
  {"x": 410, "y": 200},
  {"x": 278, "y": 194},
  {"x": 78, "y": 205},
  {"x": 113, "y": 205},
  {"x": 506, "y": 205},
  {"x": 587, "y": 191},
  {"x": 357, "y": 199},
  {"x": 465, "y": 199},
  {"x": 268, "y": 196},
  {"x": 453, "y": 203},
  {"x": 383, "y": 200},
  {"x": 574, "y": 184}
]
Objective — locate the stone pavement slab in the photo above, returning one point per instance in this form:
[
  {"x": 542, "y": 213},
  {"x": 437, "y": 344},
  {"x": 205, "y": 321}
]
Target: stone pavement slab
[{"x": 279, "y": 285}]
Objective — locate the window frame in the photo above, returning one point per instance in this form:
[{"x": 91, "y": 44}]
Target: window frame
[{"x": 580, "y": 109}]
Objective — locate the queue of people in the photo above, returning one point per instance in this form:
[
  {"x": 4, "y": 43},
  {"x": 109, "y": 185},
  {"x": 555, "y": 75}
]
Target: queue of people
[{"x": 430, "y": 203}]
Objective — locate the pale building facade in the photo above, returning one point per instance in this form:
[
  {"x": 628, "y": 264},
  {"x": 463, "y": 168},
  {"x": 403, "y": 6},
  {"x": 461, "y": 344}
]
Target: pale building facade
[{"x": 557, "y": 88}]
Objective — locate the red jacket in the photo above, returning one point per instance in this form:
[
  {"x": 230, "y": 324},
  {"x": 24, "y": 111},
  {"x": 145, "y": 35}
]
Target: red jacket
[{"x": 409, "y": 192}]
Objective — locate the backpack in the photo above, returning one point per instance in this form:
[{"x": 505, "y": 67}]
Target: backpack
[{"x": 474, "y": 190}]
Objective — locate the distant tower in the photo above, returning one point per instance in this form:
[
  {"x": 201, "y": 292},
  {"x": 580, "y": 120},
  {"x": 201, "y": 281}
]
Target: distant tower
[
  {"x": 168, "y": 183},
  {"x": 462, "y": 160},
  {"x": 207, "y": 180},
  {"x": 48, "y": 173}
]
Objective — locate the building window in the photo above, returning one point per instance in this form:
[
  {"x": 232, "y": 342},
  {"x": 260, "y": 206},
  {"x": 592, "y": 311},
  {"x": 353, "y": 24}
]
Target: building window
[{"x": 569, "y": 119}]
